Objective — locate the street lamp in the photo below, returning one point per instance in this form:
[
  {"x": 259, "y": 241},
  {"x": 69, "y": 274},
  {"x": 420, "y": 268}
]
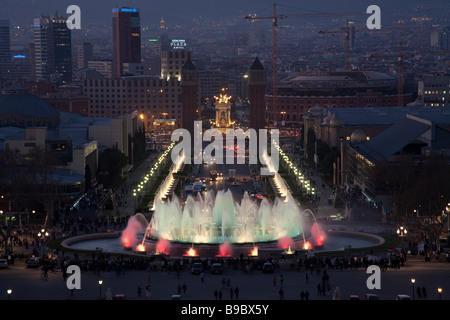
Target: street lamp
[
  {"x": 402, "y": 231},
  {"x": 9, "y": 292},
  {"x": 440, "y": 292},
  {"x": 413, "y": 281},
  {"x": 100, "y": 282}
]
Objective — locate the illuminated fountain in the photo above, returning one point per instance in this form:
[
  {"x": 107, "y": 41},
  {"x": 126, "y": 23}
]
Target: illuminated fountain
[{"x": 219, "y": 221}]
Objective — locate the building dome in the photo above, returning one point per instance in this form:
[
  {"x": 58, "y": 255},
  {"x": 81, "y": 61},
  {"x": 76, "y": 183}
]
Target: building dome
[
  {"x": 358, "y": 136},
  {"x": 335, "y": 121},
  {"x": 316, "y": 110},
  {"x": 20, "y": 109}
]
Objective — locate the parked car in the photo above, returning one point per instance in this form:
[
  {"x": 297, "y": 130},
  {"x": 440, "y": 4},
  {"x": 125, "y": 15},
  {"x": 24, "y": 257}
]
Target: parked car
[
  {"x": 197, "y": 268},
  {"x": 354, "y": 297},
  {"x": 267, "y": 267},
  {"x": 216, "y": 268},
  {"x": 371, "y": 296},
  {"x": 403, "y": 297},
  {"x": 3, "y": 263},
  {"x": 176, "y": 297},
  {"x": 33, "y": 262}
]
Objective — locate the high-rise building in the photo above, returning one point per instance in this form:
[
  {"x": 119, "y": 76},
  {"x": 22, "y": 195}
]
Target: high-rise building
[
  {"x": 173, "y": 58},
  {"x": 85, "y": 53},
  {"x": 5, "y": 48},
  {"x": 126, "y": 38},
  {"x": 53, "y": 49}
]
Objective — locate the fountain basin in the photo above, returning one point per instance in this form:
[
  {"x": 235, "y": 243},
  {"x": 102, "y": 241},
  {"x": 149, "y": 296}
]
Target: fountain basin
[{"x": 111, "y": 242}]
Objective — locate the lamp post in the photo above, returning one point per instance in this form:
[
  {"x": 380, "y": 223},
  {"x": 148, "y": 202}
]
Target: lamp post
[
  {"x": 413, "y": 281},
  {"x": 42, "y": 235},
  {"x": 100, "y": 282},
  {"x": 440, "y": 293},
  {"x": 402, "y": 231},
  {"x": 9, "y": 292}
]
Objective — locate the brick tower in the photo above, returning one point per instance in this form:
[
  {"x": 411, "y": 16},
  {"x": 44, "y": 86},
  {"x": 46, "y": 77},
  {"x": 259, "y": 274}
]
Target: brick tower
[
  {"x": 256, "y": 94},
  {"x": 190, "y": 96}
]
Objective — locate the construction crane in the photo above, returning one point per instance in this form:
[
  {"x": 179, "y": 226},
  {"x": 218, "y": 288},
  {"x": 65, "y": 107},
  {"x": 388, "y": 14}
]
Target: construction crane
[
  {"x": 346, "y": 31},
  {"x": 275, "y": 17},
  {"x": 400, "y": 56}
]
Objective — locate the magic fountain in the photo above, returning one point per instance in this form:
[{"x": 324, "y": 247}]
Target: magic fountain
[{"x": 218, "y": 221}]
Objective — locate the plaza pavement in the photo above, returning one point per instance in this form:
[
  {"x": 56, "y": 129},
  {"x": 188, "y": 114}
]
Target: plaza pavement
[{"x": 27, "y": 284}]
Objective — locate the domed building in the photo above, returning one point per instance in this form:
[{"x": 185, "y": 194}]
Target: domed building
[
  {"x": 20, "y": 109},
  {"x": 358, "y": 136}
]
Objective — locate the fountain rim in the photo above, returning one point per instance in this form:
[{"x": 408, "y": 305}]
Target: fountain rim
[{"x": 378, "y": 240}]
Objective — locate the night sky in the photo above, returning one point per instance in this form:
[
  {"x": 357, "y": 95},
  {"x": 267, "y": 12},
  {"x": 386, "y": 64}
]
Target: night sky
[{"x": 184, "y": 11}]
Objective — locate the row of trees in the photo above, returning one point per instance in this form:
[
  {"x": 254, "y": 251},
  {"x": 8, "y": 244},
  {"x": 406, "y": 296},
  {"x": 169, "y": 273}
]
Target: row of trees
[{"x": 419, "y": 191}]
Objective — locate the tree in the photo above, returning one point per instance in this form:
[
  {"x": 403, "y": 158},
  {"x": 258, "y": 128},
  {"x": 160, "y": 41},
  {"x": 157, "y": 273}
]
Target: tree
[{"x": 419, "y": 191}]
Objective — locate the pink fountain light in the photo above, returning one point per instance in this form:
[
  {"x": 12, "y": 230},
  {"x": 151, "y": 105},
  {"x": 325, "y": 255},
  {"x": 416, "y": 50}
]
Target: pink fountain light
[
  {"x": 163, "y": 246},
  {"x": 318, "y": 235},
  {"x": 224, "y": 250},
  {"x": 134, "y": 226},
  {"x": 285, "y": 243}
]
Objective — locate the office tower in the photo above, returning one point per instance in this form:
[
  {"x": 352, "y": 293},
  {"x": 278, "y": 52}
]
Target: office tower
[
  {"x": 5, "y": 48},
  {"x": 126, "y": 38},
  {"x": 174, "y": 58},
  {"x": 85, "y": 53},
  {"x": 52, "y": 49},
  {"x": 444, "y": 38},
  {"x": 256, "y": 95}
]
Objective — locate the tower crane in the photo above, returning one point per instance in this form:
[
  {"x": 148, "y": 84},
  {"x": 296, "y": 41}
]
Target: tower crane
[
  {"x": 275, "y": 17},
  {"x": 346, "y": 32},
  {"x": 400, "y": 57}
]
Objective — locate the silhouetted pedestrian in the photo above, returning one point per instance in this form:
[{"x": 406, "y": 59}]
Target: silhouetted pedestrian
[
  {"x": 281, "y": 293},
  {"x": 236, "y": 292},
  {"x": 424, "y": 292}
]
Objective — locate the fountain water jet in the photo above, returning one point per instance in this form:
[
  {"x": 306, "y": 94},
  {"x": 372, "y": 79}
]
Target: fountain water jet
[
  {"x": 225, "y": 250},
  {"x": 210, "y": 220}
]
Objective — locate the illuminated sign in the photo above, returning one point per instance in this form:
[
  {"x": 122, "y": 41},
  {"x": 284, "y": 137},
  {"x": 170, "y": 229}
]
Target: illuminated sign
[
  {"x": 153, "y": 40},
  {"x": 19, "y": 56},
  {"x": 178, "y": 44},
  {"x": 128, "y": 10},
  {"x": 125, "y": 10}
]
